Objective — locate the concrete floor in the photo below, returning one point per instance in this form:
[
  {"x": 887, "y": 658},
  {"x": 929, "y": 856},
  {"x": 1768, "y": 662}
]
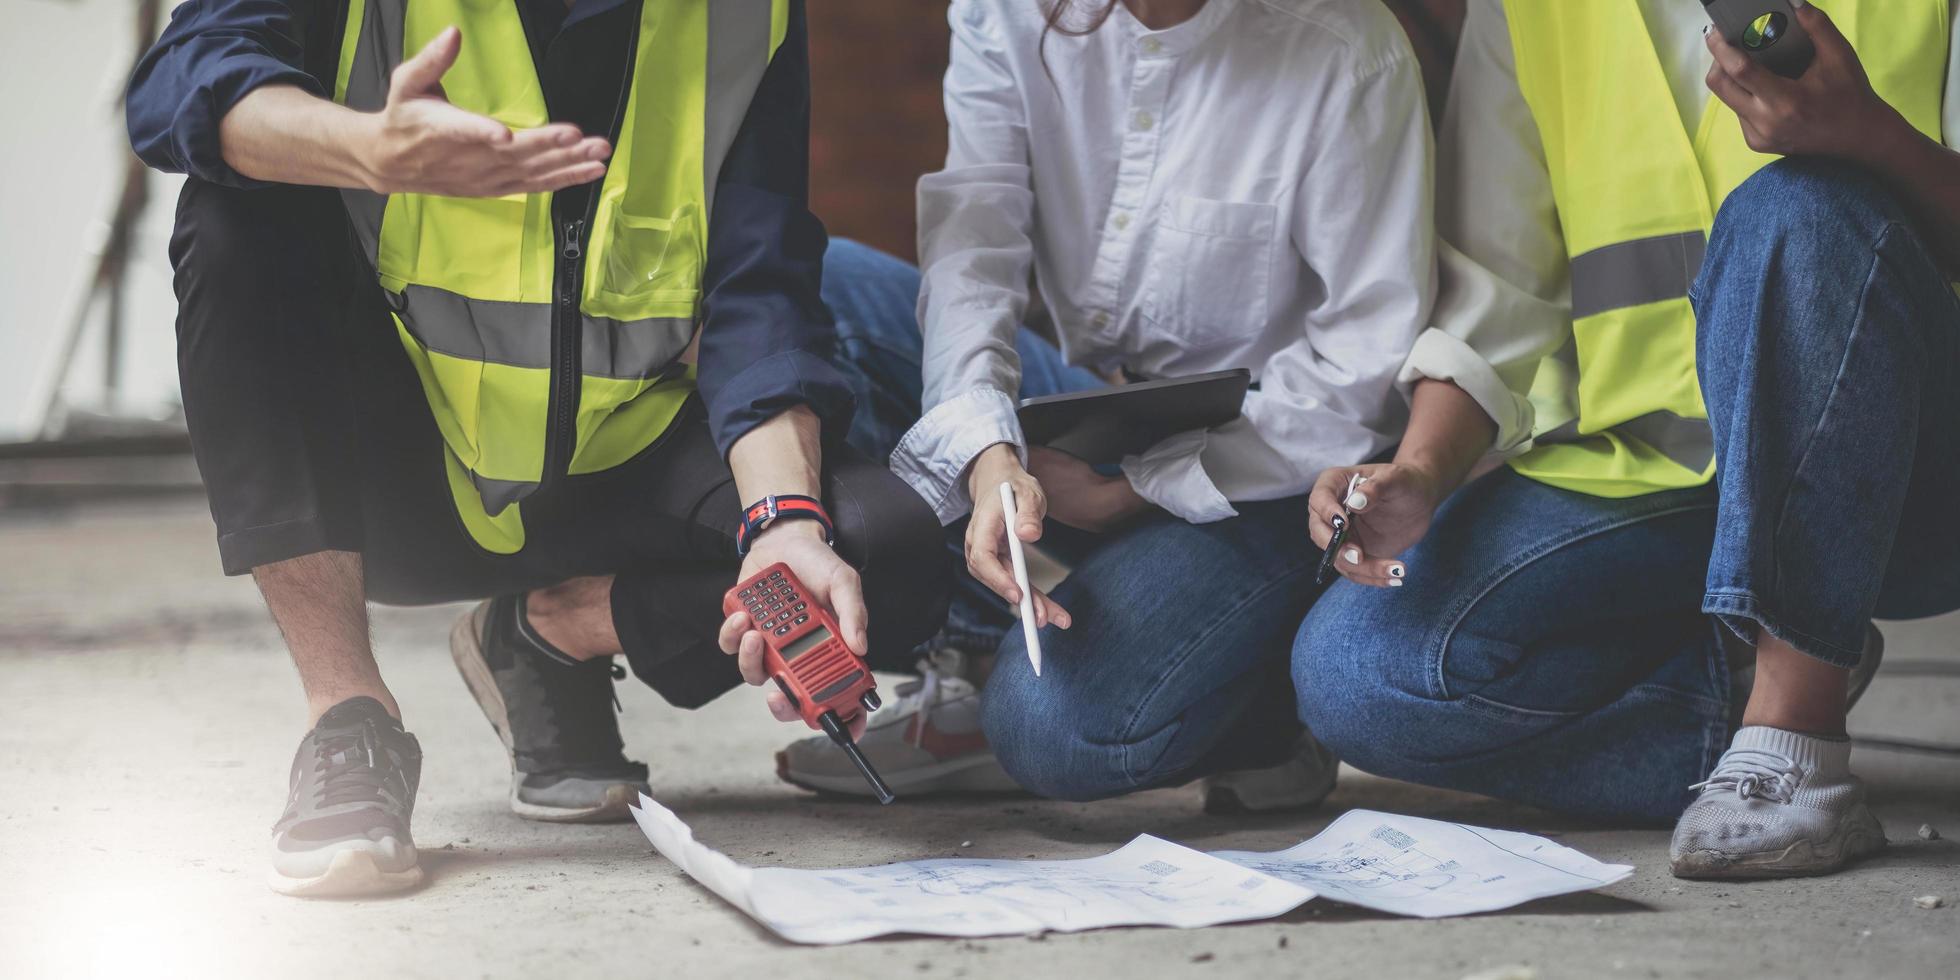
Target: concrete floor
[{"x": 150, "y": 715}]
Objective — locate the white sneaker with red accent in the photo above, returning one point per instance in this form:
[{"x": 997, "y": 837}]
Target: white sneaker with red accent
[{"x": 927, "y": 740}]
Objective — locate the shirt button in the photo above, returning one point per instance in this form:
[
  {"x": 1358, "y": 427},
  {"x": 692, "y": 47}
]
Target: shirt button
[
  {"x": 1143, "y": 121},
  {"x": 1151, "y": 45},
  {"x": 1121, "y": 221},
  {"x": 1100, "y": 320}
]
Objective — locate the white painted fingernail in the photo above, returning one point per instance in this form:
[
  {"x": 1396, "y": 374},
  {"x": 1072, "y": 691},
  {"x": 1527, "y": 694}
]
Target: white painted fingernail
[
  {"x": 1357, "y": 500},
  {"x": 1352, "y": 556},
  {"x": 1395, "y": 583},
  {"x": 1396, "y": 571}
]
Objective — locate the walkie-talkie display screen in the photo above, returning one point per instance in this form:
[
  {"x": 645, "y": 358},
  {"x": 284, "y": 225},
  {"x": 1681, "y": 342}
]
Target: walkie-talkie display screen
[{"x": 804, "y": 644}]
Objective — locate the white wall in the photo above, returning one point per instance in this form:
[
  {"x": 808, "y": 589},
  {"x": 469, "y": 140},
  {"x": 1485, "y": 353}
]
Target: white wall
[{"x": 61, "y": 146}]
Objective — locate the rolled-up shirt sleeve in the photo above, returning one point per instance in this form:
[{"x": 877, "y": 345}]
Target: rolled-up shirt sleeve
[
  {"x": 212, "y": 54},
  {"x": 975, "y": 254},
  {"x": 766, "y": 336},
  {"x": 1366, "y": 228},
  {"x": 1503, "y": 305}
]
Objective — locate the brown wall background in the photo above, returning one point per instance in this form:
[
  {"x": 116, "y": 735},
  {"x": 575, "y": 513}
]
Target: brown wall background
[{"x": 876, "y": 123}]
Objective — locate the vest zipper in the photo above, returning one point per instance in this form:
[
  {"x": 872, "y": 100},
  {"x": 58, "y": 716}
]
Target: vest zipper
[
  {"x": 567, "y": 327},
  {"x": 561, "y": 409}
]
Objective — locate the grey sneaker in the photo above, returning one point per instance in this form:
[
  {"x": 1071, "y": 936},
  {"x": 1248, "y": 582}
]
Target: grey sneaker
[
  {"x": 926, "y": 740},
  {"x": 1779, "y": 804},
  {"x": 1296, "y": 784},
  {"x": 352, "y": 788},
  {"x": 556, "y": 719}
]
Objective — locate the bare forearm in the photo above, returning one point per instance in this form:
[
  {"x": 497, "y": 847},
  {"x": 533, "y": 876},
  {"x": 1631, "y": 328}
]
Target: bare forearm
[
  {"x": 284, "y": 134},
  {"x": 782, "y": 455},
  {"x": 1448, "y": 433},
  {"x": 1927, "y": 176}
]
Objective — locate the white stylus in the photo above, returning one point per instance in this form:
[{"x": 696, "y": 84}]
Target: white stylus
[{"x": 1021, "y": 578}]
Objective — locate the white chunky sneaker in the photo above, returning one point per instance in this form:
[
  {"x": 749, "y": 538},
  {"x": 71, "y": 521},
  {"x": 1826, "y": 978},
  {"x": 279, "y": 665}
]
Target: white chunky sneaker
[
  {"x": 927, "y": 740},
  {"x": 1779, "y": 804},
  {"x": 1296, "y": 784}
]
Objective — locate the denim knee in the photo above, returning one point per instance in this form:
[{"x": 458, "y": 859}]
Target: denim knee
[
  {"x": 1808, "y": 213},
  {"x": 1350, "y": 695},
  {"x": 1039, "y": 743}
]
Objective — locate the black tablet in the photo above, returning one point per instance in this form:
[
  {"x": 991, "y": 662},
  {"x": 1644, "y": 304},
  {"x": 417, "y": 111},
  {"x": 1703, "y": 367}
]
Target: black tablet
[{"x": 1107, "y": 424}]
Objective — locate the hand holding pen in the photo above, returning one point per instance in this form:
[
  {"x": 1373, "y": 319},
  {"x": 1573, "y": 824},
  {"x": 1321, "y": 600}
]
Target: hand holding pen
[{"x": 1364, "y": 517}]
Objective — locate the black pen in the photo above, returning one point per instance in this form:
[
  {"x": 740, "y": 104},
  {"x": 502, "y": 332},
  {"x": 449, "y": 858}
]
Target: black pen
[{"x": 1334, "y": 542}]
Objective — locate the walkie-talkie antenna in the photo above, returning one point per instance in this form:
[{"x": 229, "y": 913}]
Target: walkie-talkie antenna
[{"x": 842, "y": 736}]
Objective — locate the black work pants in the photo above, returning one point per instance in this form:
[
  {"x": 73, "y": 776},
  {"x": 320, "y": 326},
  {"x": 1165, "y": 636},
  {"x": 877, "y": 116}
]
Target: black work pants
[{"x": 312, "y": 434}]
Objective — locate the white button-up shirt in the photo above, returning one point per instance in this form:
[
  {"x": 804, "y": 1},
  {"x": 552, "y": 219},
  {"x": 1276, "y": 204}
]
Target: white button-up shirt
[{"x": 1248, "y": 189}]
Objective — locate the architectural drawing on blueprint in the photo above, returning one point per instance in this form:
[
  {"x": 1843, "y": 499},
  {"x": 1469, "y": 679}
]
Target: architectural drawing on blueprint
[
  {"x": 1147, "y": 881},
  {"x": 1414, "y": 866}
]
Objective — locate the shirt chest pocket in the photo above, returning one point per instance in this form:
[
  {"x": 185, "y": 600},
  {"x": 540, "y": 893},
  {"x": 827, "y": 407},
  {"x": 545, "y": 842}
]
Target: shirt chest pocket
[{"x": 1207, "y": 275}]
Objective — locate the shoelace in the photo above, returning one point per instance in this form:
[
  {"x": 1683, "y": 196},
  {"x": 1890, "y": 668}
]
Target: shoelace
[
  {"x": 924, "y": 697},
  {"x": 1755, "y": 773},
  {"x": 357, "y": 775}
]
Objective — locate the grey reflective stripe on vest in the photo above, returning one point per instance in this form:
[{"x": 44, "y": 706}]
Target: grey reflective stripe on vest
[
  {"x": 519, "y": 334},
  {"x": 1688, "y": 443},
  {"x": 1634, "y": 273},
  {"x": 376, "y": 53},
  {"x": 738, "y": 56}
]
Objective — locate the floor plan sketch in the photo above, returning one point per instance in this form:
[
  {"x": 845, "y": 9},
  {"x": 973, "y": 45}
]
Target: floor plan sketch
[
  {"x": 1148, "y": 881},
  {"x": 1420, "y": 867},
  {"x": 1405, "y": 865}
]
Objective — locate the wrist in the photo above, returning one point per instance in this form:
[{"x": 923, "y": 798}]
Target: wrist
[
  {"x": 364, "y": 134},
  {"x": 787, "y": 530},
  {"x": 1433, "y": 476},
  {"x": 1884, "y": 139},
  {"x": 993, "y": 464}
]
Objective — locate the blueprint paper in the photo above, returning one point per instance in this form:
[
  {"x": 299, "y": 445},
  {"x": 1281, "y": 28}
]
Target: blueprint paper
[
  {"x": 1146, "y": 882},
  {"x": 1429, "y": 868}
]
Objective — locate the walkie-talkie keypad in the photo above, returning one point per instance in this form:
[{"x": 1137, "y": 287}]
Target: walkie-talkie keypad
[{"x": 775, "y": 605}]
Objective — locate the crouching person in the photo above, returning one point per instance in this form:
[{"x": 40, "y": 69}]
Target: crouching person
[
  {"x": 1744, "y": 449},
  {"x": 1196, "y": 186},
  {"x": 456, "y": 324}
]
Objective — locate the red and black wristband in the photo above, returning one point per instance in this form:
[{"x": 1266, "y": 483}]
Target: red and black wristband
[{"x": 786, "y": 507}]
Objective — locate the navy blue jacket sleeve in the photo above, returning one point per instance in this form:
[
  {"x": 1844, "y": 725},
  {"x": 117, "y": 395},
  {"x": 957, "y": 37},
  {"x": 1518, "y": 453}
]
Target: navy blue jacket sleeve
[
  {"x": 766, "y": 336},
  {"x": 211, "y": 55}
]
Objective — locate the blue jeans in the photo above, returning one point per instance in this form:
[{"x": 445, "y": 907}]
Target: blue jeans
[
  {"x": 1564, "y": 650},
  {"x": 1176, "y": 663}
]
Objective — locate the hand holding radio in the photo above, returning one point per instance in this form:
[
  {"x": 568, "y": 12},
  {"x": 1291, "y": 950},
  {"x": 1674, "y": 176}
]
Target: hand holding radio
[
  {"x": 1829, "y": 110},
  {"x": 825, "y": 682},
  {"x": 832, "y": 582}
]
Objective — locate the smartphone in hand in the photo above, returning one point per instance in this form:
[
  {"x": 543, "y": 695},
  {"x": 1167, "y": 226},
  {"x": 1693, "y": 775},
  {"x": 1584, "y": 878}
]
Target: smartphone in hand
[{"x": 1766, "y": 30}]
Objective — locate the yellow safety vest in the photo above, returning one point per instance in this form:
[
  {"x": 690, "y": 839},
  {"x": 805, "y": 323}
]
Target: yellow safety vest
[
  {"x": 1619, "y": 408},
  {"x": 548, "y": 348}
]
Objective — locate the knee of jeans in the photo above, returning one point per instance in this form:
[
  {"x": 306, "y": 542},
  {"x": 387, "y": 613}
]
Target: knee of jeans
[
  {"x": 1037, "y": 739},
  {"x": 1353, "y": 688},
  {"x": 1824, "y": 210}
]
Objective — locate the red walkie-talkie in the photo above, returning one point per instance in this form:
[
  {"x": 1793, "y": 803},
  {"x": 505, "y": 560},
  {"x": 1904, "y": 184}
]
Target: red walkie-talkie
[{"x": 804, "y": 652}]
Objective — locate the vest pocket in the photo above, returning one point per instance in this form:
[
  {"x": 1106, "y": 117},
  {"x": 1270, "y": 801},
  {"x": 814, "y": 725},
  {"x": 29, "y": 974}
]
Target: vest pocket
[
  {"x": 1207, "y": 274},
  {"x": 651, "y": 264}
]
